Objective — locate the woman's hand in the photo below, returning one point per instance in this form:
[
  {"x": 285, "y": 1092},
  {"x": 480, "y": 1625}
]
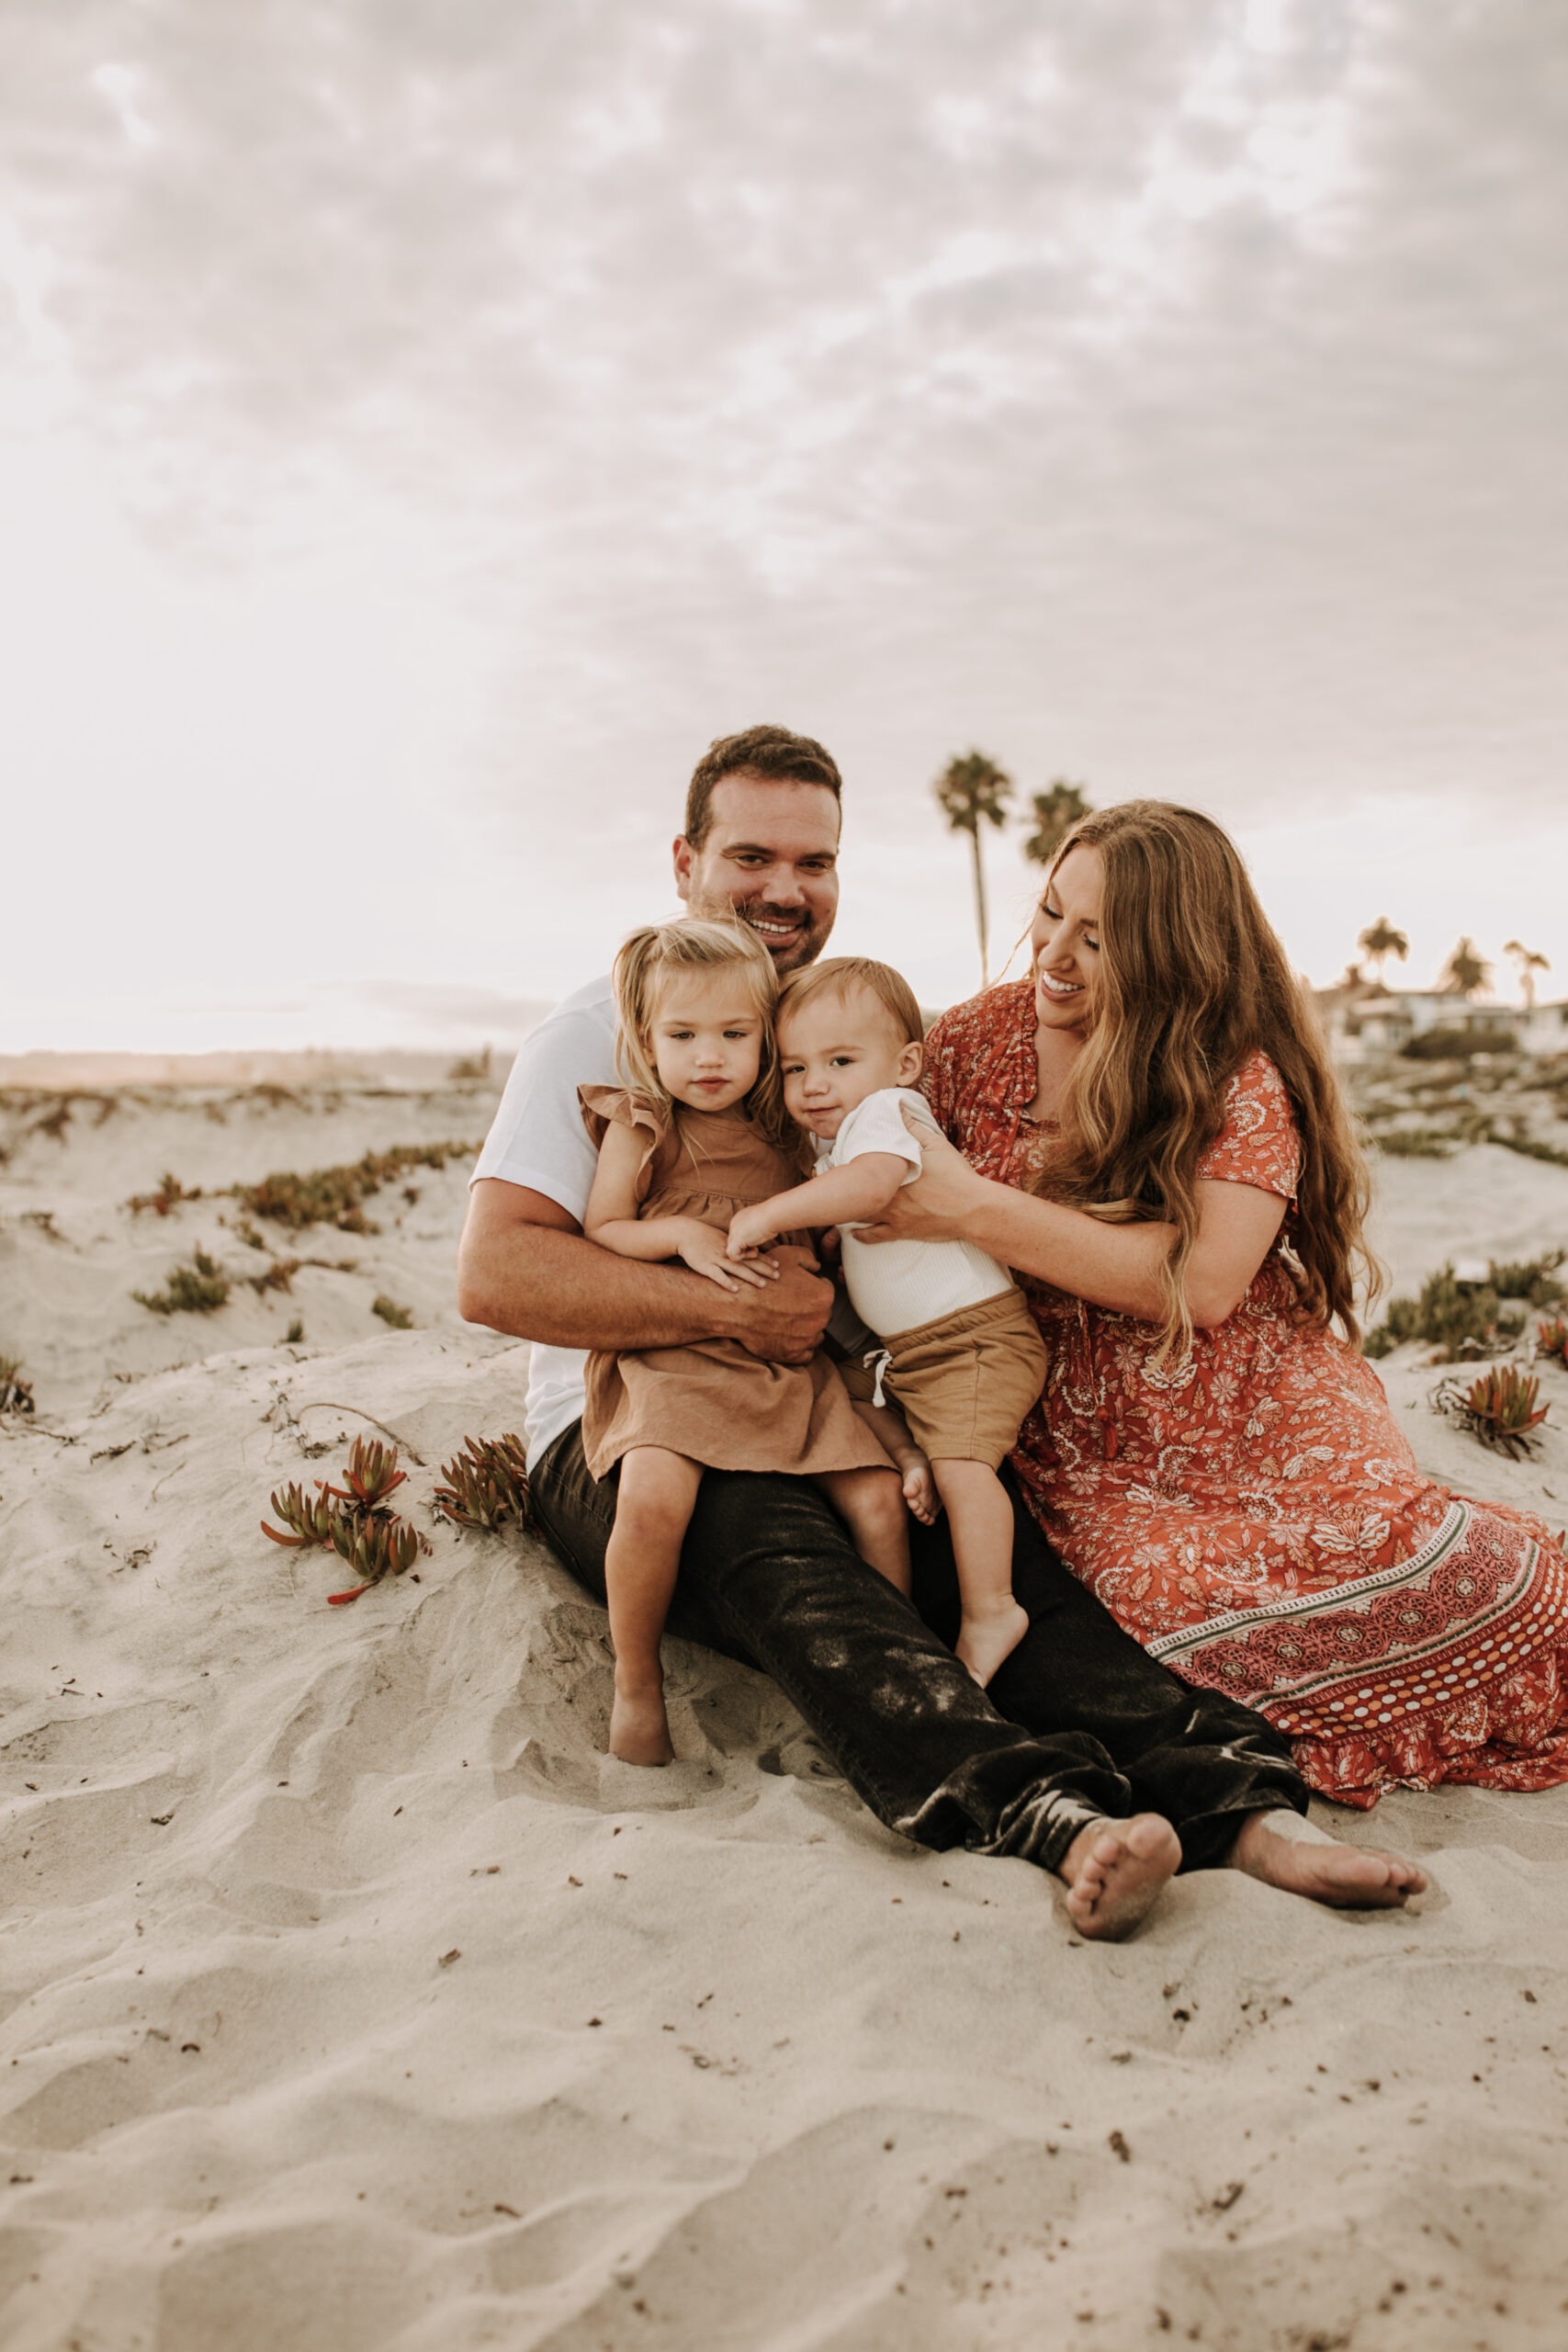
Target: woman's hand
[
  {"x": 702, "y": 1248},
  {"x": 941, "y": 1202}
]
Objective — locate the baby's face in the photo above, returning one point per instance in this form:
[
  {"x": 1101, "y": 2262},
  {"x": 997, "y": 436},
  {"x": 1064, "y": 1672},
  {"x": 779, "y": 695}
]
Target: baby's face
[{"x": 837, "y": 1049}]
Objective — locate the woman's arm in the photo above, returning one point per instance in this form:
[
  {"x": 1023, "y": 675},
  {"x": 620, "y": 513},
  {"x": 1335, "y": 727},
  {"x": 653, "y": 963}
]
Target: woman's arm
[
  {"x": 1111, "y": 1265},
  {"x": 611, "y": 1220},
  {"x": 861, "y": 1189}
]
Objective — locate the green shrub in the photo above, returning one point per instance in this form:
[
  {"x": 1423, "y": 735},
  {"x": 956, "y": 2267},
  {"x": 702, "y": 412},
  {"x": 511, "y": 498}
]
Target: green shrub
[
  {"x": 333, "y": 1195},
  {"x": 195, "y": 1289},
  {"x": 1532, "y": 1279},
  {"x": 1528, "y": 1147},
  {"x": 1458, "y": 1045},
  {"x": 1418, "y": 1143},
  {"x": 400, "y": 1318},
  {"x": 16, "y": 1394},
  {"x": 1463, "y": 1319}
]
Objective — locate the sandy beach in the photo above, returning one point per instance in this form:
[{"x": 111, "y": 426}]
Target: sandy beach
[{"x": 352, "y": 1998}]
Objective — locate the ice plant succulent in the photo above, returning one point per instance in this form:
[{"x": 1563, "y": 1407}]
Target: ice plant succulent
[
  {"x": 372, "y": 1474},
  {"x": 353, "y": 1520},
  {"x": 1551, "y": 1339},
  {"x": 16, "y": 1394},
  {"x": 374, "y": 1548},
  {"x": 487, "y": 1484},
  {"x": 1500, "y": 1407},
  {"x": 310, "y": 1516}
]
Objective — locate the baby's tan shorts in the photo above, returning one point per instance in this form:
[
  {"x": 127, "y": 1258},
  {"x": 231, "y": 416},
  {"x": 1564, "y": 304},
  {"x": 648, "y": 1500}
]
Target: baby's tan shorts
[{"x": 963, "y": 1382}]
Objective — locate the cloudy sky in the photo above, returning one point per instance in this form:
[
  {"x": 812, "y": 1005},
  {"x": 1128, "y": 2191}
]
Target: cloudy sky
[{"x": 424, "y": 424}]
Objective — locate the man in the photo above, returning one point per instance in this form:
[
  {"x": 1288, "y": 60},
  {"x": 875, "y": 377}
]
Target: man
[{"x": 1079, "y": 1725}]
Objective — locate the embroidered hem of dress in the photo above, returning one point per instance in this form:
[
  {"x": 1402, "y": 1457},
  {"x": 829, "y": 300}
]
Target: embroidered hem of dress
[{"x": 1170, "y": 1647}]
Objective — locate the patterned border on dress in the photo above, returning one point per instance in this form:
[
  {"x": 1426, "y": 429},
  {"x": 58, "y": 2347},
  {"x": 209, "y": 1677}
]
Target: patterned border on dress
[
  {"x": 1451, "y": 1621},
  {"x": 1454, "y": 1523}
]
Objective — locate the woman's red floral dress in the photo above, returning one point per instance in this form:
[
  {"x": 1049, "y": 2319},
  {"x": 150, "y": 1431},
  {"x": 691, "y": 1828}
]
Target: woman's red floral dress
[{"x": 1253, "y": 1514}]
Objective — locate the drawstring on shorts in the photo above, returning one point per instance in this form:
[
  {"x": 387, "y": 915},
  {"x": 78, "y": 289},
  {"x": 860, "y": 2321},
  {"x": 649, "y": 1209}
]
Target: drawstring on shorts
[{"x": 877, "y": 1361}]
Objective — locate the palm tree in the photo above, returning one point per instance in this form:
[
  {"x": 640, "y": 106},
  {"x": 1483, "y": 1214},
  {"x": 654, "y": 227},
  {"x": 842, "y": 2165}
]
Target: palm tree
[
  {"x": 1056, "y": 814},
  {"x": 972, "y": 791},
  {"x": 1529, "y": 964},
  {"x": 1466, "y": 973},
  {"x": 1380, "y": 940}
]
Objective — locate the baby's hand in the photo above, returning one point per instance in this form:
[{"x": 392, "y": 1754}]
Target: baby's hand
[
  {"x": 702, "y": 1246},
  {"x": 750, "y": 1230},
  {"x": 920, "y": 1486}
]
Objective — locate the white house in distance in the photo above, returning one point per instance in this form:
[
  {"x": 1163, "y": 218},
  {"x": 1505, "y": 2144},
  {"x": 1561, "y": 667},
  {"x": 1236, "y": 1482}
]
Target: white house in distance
[{"x": 1363, "y": 1019}]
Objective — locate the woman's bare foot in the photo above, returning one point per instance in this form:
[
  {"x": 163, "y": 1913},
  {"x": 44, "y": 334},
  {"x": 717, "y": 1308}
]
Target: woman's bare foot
[
  {"x": 639, "y": 1729},
  {"x": 1115, "y": 1870},
  {"x": 985, "y": 1642},
  {"x": 1284, "y": 1849}
]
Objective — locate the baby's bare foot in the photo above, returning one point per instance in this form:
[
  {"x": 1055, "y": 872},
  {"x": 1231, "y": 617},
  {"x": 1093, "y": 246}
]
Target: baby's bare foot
[
  {"x": 1284, "y": 1850},
  {"x": 983, "y": 1643},
  {"x": 1115, "y": 1870},
  {"x": 639, "y": 1729}
]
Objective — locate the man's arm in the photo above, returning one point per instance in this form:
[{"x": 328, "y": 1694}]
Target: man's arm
[{"x": 523, "y": 1267}]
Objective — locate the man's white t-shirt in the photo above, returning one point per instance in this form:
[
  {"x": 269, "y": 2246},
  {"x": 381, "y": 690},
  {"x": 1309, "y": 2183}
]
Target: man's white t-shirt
[
  {"x": 537, "y": 1138},
  {"x": 898, "y": 1285}
]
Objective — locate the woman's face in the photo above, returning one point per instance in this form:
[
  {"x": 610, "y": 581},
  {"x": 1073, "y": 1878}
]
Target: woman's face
[{"x": 1064, "y": 943}]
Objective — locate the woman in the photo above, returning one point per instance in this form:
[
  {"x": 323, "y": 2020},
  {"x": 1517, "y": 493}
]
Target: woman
[{"x": 1156, "y": 1142}]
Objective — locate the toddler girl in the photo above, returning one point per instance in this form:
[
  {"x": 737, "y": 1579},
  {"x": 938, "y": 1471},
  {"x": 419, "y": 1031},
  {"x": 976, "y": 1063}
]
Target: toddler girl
[
  {"x": 698, "y": 1133},
  {"x": 960, "y": 1351}
]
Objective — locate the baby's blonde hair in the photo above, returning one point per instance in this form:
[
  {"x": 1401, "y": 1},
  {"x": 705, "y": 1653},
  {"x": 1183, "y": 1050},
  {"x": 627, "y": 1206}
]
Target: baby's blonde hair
[
  {"x": 841, "y": 974},
  {"x": 647, "y": 960}
]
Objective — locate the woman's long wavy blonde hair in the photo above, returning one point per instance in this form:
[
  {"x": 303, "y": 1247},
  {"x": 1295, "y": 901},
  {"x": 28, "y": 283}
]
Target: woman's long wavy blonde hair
[
  {"x": 643, "y": 968},
  {"x": 1192, "y": 979}
]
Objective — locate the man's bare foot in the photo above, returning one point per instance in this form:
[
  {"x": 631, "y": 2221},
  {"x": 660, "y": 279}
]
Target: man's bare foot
[
  {"x": 1115, "y": 1870},
  {"x": 639, "y": 1729},
  {"x": 1284, "y": 1849},
  {"x": 985, "y": 1642}
]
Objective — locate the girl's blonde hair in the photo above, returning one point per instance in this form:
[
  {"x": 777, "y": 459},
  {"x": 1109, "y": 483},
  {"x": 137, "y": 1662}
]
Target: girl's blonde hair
[
  {"x": 1191, "y": 980},
  {"x": 644, "y": 965}
]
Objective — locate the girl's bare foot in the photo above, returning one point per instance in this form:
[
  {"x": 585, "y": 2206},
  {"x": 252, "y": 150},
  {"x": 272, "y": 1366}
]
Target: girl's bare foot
[
  {"x": 1284, "y": 1849},
  {"x": 639, "y": 1729},
  {"x": 985, "y": 1642},
  {"x": 1115, "y": 1870}
]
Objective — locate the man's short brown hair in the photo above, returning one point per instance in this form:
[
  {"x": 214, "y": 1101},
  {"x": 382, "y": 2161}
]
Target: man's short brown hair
[
  {"x": 841, "y": 974},
  {"x": 772, "y": 752}
]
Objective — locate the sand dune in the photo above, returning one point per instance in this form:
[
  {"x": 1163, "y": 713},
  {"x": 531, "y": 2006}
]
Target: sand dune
[{"x": 354, "y": 1998}]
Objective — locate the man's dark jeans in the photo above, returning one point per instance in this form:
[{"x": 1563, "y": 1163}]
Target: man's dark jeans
[{"x": 1078, "y": 1722}]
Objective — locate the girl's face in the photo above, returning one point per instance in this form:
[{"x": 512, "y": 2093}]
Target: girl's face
[
  {"x": 707, "y": 1037},
  {"x": 1064, "y": 943}
]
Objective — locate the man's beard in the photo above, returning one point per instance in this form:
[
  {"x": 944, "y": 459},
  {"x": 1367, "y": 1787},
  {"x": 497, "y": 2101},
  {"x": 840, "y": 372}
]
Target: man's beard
[{"x": 804, "y": 944}]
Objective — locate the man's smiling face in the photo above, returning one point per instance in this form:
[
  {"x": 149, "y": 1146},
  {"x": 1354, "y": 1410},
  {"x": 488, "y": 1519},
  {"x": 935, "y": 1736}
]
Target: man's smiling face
[{"x": 771, "y": 856}]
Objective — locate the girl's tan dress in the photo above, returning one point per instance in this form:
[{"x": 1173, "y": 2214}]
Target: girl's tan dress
[{"x": 712, "y": 1401}]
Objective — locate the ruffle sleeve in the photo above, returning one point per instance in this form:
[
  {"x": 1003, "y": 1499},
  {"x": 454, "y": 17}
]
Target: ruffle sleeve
[
  {"x": 603, "y": 1107},
  {"x": 1259, "y": 1144}
]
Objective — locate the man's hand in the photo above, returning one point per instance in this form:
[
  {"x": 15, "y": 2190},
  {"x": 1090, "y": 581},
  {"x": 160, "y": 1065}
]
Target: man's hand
[
  {"x": 702, "y": 1248},
  {"x": 785, "y": 1323},
  {"x": 525, "y": 1267}
]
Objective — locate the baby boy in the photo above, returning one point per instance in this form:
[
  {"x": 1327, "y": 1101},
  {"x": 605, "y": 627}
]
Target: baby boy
[{"x": 959, "y": 1352}]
